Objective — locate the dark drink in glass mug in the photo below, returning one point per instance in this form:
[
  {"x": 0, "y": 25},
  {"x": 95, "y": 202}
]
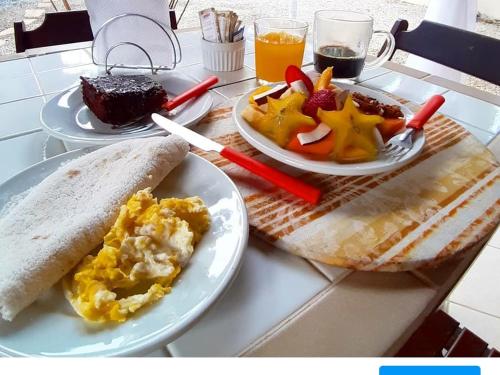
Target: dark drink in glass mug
[{"x": 341, "y": 40}]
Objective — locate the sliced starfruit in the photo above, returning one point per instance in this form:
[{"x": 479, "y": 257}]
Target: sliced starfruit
[
  {"x": 283, "y": 116},
  {"x": 252, "y": 114},
  {"x": 354, "y": 133}
]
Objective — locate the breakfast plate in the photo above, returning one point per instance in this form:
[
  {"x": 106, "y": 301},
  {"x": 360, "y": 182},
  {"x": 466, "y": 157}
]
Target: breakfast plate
[
  {"x": 66, "y": 116},
  {"x": 301, "y": 161},
  {"x": 50, "y": 327}
]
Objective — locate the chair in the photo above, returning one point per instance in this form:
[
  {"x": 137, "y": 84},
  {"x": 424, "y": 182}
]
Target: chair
[
  {"x": 57, "y": 28},
  {"x": 463, "y": 50},
  {"x": 60, "y": 28},
  {"x": 442, "y": 336}
]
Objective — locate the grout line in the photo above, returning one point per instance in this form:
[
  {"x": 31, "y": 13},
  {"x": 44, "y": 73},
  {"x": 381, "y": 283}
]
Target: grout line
[
  {"x": 276, "y": 329},
  {"x": 424, "y": 279},
  {"x": 474, "y": 309},
  {"x": 36, "y": 76},
  {"x": 21, "y": 99},
  {"x": 60, "y": 68},
  {"x": 375, "y": 76},
  {"x": 16, "y": 135}
]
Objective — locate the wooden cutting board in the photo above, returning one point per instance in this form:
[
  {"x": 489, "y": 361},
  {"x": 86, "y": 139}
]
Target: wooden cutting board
[{"x": 428, "y": 211}]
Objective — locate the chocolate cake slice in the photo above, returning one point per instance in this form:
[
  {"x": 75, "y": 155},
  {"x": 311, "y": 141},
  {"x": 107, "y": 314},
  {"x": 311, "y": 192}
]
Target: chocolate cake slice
[{"x": 121, "y": 99}]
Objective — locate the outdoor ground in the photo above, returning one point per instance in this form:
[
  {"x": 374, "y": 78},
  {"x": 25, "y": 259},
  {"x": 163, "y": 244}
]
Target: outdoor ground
[{"x": 385, "y": 12}]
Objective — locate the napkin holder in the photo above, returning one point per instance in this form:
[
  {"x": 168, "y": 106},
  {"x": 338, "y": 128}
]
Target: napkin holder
[{"x": 167, "y": 32}]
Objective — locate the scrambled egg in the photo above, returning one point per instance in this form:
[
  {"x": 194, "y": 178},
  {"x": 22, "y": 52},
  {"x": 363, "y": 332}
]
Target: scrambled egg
[{"x": 142, "y": 254}]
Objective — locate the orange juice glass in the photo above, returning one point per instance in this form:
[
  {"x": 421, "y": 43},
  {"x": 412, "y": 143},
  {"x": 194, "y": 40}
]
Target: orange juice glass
[{"x": 279, "y": 42}]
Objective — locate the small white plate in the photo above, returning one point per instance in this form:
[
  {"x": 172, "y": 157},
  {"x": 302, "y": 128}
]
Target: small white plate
[
  {"x": 50, "y": 327},
  {"x": 66, "y": 116},
  {"x": 268, "y": 147}
]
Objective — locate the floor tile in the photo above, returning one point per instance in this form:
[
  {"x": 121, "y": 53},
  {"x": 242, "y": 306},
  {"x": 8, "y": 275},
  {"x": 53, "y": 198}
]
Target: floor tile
[
  {"x": 478, "y": 289},
  {"x": 200, "y": 73},
  {"x": 485, "y": 326},
  {"x": 361, "y": 316},
  {"x": 14, "y": 68},
  {"x": 33, "y": 151},
  {"x": 57, "y": 80},
  {"x": 473, "y": 111},
  {"x": 61, "y": 60},
  {"x": 16, "y": 88},
  {"x": 20, "y": 116},
  {"x": 271, "y": 285},
  {"x": 236, "y": 89},
  {"x": 407, "y": 87}
]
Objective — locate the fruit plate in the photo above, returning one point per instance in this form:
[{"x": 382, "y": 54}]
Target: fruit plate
[
  {"x": 66, "y": 116},
  {"x": 271, "y": 149},
  {"x": 50, "y": 327}
]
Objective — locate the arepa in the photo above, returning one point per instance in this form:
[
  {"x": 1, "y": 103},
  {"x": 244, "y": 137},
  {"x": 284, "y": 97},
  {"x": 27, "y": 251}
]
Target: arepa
[{"x": 66, "y": 216}]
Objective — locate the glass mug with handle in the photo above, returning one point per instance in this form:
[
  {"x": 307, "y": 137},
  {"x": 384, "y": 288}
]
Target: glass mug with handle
[{"x": 341, "y": 40}]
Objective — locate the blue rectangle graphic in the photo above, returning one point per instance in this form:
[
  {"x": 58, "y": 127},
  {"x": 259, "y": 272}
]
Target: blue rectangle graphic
[{"x": 430, "y": 370}]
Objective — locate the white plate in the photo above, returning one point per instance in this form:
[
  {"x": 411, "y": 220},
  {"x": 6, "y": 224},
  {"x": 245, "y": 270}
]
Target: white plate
[
  {"x": 268, "y": 147},
  {"x": 50, "y": 327},
  {"x": 66, "y": 116}
]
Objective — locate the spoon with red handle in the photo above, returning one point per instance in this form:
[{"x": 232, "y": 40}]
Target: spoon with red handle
[{"x": 193, "y": 92}]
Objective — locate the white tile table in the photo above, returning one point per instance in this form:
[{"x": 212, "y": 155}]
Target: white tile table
[{"x": 279, "y": 304}]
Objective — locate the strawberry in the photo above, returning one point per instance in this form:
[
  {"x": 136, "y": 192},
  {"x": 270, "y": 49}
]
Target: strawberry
[{"x": 324, "y": 99}]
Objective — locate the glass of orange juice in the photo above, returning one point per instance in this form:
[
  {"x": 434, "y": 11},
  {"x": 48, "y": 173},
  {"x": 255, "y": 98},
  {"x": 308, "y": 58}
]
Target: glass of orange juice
[{"x": 279, "y": 42}]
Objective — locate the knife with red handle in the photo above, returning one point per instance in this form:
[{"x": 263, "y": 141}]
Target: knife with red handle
[
  {"x": 193, "y": 92},
  {"x": 293, "y": 185}
]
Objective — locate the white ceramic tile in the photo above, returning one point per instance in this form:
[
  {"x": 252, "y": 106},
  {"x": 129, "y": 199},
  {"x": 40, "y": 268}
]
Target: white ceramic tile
[
  {"x": 217, "y": 98},
  {"x": 485, "y": 326},
  {"x": 334, "y": 274},
  {"x": 372, "y": 73},
  {"x": 20, "y": 116},
  {"x": 494, "y": 146},
  {"x": 495, "y": 239},
  {"x": 16, "y": 88},
  {"x": 270, "y": 286},
  {"x": 250, "y": 44},
  {"x": 191, "y": 55},
  {"x": 473, "y": 111},
  {"x": 250, "y": 60},
  {"x": 308, "y": 54},
  {"x": 236, "y": 89},
  {"x": 59, "y": 60},
  {"x": 21, "y": 152},
  {"x": 60, "y": 79},
  {"x": 478, "y": 289},
  {"x": 484, "y": 136},
  {"x": 407, "y": 87},
  {"x": 200, "y": 73},
  {"x": 14, "y": 68},
  {"x": 188, "y": 38}
]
